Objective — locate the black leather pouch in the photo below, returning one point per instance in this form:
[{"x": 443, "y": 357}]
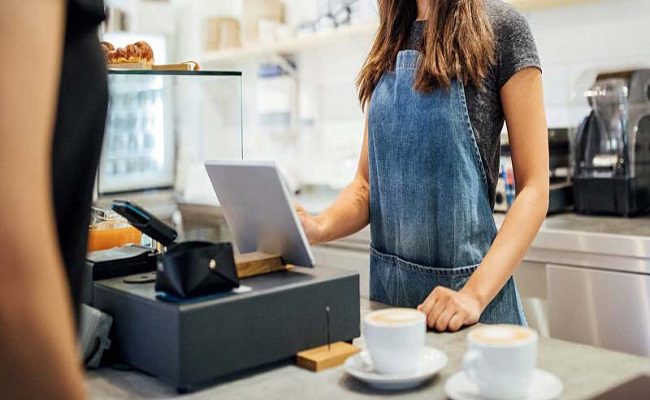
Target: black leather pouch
[{"x": 192, "y": 269}]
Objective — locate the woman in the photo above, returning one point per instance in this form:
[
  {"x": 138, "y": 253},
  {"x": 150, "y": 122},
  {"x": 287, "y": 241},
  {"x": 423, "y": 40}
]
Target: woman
[
  {"x": 438, "y": 84},
  {"x": 52, "y": 114}
]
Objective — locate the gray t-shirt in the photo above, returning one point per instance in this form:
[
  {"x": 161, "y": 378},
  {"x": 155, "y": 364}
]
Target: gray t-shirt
[{"x": 515, "y": 50}]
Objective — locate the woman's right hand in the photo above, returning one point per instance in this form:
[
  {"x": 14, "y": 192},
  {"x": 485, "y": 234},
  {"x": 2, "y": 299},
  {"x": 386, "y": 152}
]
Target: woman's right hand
[{"x": 310, "y": 224}]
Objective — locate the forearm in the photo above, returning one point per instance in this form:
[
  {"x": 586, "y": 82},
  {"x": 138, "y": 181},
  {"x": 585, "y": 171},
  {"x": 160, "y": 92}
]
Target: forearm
[
  {"x": 523, "y": 104},
  {"x": 348, "y": 214},
  {"x": 38, "y": 354},
  {"x": 511, "y": 243}
]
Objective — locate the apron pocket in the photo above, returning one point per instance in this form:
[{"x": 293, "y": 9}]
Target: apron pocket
[{"x": 400, "y": 283}]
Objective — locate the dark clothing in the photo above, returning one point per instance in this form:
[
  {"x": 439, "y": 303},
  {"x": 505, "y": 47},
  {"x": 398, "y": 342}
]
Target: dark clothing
[
  {"x": 83, "y": 16},
  {"x": 78, "y": 134},
  {"x": 515, "y": 50}
]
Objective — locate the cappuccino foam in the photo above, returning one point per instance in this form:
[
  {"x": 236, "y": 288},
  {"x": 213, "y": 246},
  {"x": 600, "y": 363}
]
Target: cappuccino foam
[
  {"x": 394, "y": 316},
  {"x": 501, "y": 334}
]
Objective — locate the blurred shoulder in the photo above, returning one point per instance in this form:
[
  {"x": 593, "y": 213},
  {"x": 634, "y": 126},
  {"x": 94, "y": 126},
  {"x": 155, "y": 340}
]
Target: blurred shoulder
[
  {"x": 504, "y": 18},
  {"x": 514, "y": 43},
  {"x": 85, "y": 12}
]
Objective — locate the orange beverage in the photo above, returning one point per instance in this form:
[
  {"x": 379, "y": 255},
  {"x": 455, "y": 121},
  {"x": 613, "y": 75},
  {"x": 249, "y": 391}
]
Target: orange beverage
[{"x": 108, "y": 234}]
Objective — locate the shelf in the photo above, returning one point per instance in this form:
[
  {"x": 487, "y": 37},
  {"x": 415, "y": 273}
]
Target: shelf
[
  {"x": 319, "y": 39},
  {"x": 292, "y": 45},
  {"x": 541, "y": 4}
]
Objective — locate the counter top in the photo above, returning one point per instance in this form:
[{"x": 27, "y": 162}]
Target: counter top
[
  {"x": 584, "y": 370},
  {"x": 636, "y": 226}
]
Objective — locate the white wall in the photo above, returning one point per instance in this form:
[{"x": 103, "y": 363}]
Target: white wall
[{"x": 608, "y": 34}]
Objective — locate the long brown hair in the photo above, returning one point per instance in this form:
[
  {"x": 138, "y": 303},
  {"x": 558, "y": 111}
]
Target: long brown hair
[{"x": 458, "y": 44}]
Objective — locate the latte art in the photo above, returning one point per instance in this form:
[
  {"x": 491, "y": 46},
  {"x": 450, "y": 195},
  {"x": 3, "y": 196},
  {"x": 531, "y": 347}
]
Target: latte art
[
  {"x": 501, "y": 359},
  {"x": 395, "y": 339},
  {"x": 500, "y": 335},
  {"x": 395, "y": 317}
]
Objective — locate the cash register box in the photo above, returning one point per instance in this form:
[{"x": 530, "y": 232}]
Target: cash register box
[{"x": 193, "y": 342}]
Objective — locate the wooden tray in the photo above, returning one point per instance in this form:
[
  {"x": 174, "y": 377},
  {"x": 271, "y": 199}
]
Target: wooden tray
[
  {"x": 139, "y": 65},
  {"x": 184, "y": 66}
]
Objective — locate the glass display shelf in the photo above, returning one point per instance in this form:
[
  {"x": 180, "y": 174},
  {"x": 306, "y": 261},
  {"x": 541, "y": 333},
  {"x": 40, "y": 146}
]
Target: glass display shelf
[{"x": 163, "y": 125}]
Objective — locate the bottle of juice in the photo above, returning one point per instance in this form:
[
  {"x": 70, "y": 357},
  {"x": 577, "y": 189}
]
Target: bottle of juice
[{"x": 110, "y": 230}]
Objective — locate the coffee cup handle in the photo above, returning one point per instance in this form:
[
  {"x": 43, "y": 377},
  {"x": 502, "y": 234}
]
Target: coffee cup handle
[{"x": 470, "y": 361}]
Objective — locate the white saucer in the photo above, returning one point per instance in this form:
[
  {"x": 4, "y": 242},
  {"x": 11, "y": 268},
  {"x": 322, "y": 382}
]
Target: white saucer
[
  {"x": 360, "y": 366},
  {"x": 544, "y": 386}
]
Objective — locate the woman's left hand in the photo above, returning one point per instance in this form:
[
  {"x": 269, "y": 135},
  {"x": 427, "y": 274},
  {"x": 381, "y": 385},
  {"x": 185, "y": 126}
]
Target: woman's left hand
[{"x": 449, "y": 310}]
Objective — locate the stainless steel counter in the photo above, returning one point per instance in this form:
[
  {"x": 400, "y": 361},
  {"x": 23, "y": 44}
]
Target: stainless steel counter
[
  {"x": 604, "y": 239},
  {"x": 585, "y": 371},
  {"x": 638, "y": 226}
]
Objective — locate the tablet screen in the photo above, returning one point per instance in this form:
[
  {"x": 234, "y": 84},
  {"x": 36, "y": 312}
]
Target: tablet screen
[{"x": 258, "y": 209}]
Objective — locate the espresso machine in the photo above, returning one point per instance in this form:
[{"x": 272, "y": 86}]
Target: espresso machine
[{"x": 611, "y": 150}]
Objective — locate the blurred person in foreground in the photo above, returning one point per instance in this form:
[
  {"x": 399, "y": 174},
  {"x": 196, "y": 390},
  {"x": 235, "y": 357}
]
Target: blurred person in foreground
[{"x": 53, "y": 99}]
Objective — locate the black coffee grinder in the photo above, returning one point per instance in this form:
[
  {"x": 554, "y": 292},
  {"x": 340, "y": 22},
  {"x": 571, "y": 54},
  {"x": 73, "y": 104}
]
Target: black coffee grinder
[{"x": 611, "y": 150}]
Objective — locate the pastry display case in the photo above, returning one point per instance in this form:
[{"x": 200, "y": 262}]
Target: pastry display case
[{"x": 163, "y": 125}]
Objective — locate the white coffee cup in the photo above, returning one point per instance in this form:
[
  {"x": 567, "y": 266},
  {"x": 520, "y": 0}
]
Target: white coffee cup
[
  {"x": 501, "y": 359},
  {"x": 395, "y": 339}
]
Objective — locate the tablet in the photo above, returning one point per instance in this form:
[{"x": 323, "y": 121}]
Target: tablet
[{"x": 258, "y": 209}]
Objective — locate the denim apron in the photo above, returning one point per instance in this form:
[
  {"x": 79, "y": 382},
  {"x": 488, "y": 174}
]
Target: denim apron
[{"x": 430, "y": 218}]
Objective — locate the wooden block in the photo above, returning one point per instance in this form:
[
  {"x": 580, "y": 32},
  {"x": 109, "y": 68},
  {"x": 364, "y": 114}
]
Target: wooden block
[
  {"x": 253, "y": 264},
  {"x": 324, "y": 357},
  {"x": 184, "y": 66},
  {"x": 138, "y": 65}
]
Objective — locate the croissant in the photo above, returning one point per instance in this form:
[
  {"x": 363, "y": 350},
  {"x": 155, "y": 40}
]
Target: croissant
[
  {"x": 107, "y": 47},
  {"x": 145, "y": 49},
  {"x": 131, "y": 53}
]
